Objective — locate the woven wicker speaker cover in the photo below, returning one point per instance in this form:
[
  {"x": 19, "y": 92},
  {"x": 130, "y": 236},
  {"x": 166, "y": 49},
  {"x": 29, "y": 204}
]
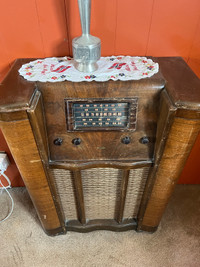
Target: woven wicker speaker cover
[{"x": 101, "y": 190}]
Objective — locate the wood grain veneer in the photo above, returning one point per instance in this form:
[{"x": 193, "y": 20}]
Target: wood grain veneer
[
  {"x": 32, "y": 116},
  {"x": 181, "y": 138},
  {"x": 20, "y": 139}
]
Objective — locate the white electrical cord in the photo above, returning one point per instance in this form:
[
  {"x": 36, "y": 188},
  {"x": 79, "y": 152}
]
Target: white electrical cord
[{"x": 5, "y": 188}]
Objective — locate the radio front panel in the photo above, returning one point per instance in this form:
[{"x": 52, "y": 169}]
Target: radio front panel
[{"x": 103, "y": 125}]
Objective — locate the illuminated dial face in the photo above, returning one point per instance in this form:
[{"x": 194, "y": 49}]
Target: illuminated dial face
[{"x": 100, "y": 115}]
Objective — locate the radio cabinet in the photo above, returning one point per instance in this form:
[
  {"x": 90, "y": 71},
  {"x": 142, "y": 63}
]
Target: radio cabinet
[{"x": 101, "y": 155}]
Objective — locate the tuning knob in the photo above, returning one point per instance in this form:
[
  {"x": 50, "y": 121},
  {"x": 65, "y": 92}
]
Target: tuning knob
[
  {"x": 58, "y": 141},
  {"x": 76, "y": 141},
  {"x": 144, "y": 140},
  {"x": 126, "y": 140}
]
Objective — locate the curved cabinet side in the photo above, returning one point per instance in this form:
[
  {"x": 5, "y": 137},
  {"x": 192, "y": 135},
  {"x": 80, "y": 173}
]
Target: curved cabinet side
[
  {"x": 180, "y": 141},
  {"x": 21, "y": 142}
]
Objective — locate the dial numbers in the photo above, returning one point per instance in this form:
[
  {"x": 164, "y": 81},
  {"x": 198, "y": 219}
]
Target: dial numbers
[{"x": 100, "y": 115}]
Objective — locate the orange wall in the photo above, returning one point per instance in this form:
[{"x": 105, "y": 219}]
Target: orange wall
[{"x": 44, "y": 28}]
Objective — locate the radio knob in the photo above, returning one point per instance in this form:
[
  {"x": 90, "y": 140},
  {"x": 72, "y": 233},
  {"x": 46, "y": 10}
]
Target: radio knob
[
  {"x": 126, "y": 140},
  {"x": 76, "y": 141},
  {"x": 144, "y": 140},
  {"x": 58, "y": 141}
]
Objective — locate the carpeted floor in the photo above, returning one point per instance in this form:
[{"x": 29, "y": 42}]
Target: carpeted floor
[{"x": 176, "y": 243}]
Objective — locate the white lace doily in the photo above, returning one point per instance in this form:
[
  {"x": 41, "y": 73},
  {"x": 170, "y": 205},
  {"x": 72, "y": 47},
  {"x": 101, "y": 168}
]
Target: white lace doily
[{"x": 115, "y": 68}]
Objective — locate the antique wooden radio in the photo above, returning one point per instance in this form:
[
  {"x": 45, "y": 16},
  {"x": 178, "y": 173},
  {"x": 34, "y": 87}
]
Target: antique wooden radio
[{"x": 101, "y": 155}]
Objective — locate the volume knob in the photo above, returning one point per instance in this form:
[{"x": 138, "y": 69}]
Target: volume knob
[
  {"x": 126, "y": 140},
  {"x": 144, "y": 140},
  {"x": 76, "y": 141},
  {"x": 58, "y": 141}
]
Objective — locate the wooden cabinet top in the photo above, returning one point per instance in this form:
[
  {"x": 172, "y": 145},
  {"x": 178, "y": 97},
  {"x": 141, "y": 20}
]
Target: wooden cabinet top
[{"x": 182, "y": 85}]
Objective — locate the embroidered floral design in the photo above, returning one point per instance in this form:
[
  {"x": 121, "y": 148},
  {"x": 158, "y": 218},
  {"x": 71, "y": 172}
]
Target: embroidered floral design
[
  {"x": 117, "y": 66},
  {"x": 133, "y": 64},
  {"x": 150, "y": 67},
  {"x": 45, "y": 69},
  {"x": 61, "y": 69},
  {"x": 127, "y": 67},
  {"x": 90, "y": 77},
  {"x": 29, "y": 67},
  {"x": 144, "y": 61}
]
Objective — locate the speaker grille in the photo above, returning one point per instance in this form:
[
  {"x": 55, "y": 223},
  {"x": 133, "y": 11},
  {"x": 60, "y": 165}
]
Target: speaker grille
[
  {"x": 135, "y": 189},
  {"x": 101, "y": 191},
  {"x": 101, "y": 188},
  {"x": 65, "y": 190}
]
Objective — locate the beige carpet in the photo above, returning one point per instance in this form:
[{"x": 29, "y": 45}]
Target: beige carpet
[{"x": 176, "y": 243}]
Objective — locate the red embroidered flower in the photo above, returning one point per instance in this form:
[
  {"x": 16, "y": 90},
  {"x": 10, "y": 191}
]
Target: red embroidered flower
[
  {"x": 54, "y": 77},
  {"x": 29, "y": 73},
  {"x": 39, "y": 61},
  {"x": 127, "y": 67},
  {"x": 119, "y": 57},
  {"x": 87, "y": 77},
  {"x": 112, "y": 77},
  {"x": 145, "y": 73},
  {"x": 150, "y": 67},
  {"x": 144, "y": 61},
  {"x": 29, "y": 67}
]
